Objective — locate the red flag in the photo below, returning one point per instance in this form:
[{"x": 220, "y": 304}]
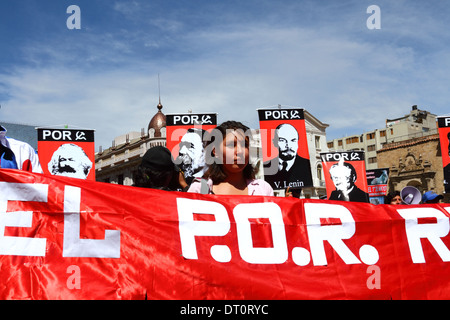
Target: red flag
[{"x": 65, "y": 238}]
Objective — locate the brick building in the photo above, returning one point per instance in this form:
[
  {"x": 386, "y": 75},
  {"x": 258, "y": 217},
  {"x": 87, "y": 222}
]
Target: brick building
[{"x": 415, "y": 162}]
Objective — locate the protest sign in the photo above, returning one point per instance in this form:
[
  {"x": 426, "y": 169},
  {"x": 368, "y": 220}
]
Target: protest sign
[
  {"x": 345, "y": 175},
  {"x": 67, "y": 152},
  {"x": 185, "y": 138},
  {"x": 377, "y": 184},
  {"x": 444, "y": 139},
  {"x": 285, "y": 148}
]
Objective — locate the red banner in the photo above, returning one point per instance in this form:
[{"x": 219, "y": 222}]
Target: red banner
[{"x": 65, "y": 238}]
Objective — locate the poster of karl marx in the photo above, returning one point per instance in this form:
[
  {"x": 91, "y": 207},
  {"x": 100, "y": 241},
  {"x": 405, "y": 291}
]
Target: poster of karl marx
[
  {"x": 285, "y": 148},
  {"x": 67, "y": 152}
]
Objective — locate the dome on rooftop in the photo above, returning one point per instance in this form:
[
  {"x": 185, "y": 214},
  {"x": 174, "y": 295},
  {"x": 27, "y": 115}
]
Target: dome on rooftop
[{"x": 158, "y": 121}]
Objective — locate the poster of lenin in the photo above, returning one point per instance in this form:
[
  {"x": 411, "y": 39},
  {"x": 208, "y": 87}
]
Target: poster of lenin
[{"x": 285, "y": 148}]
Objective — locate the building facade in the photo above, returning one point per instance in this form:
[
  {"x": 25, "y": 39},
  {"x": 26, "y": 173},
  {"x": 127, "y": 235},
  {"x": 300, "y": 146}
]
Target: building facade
[
  {"x": 415, "y": 162},
  {"x": 418, "y": 123},
  {"x": 118, "y": 164}
]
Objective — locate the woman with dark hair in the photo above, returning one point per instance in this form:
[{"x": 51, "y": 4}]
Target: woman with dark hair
[{"x": 230, "y": 170}]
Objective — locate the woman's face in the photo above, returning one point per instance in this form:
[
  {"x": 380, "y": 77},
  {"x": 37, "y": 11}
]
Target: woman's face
[{"x": 235, "y": 151}]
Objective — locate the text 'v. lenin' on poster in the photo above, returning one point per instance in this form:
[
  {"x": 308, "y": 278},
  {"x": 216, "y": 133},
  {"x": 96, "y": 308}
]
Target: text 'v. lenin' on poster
[
  {"x": 444, "y": 139},
  {"x": 285, "y": 148},
  {"x": 186, "y": 140},
  {"x": 345, "y": 176},
  {"x": 67, "y": 152}
]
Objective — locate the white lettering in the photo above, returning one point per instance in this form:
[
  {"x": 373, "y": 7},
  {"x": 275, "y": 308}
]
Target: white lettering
[
  {"x": 46, "y": 133},
  {"x": 374, "y": 21},
  {"x": 74, "y": 21},
  {"x": 431, "y": 231},
  {"x": 190, "y": 228},
  {"x": 74, "y": 246},
  {"x": 245, "y": 211},
  {"x": 20, "y": 246},
  {"x": 334, "y": 234},
  {"x": 447, "y": 122}
]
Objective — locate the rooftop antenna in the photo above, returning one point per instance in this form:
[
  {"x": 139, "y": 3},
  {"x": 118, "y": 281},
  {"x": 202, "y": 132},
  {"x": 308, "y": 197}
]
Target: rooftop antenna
[{"x": 159, "y": 90}]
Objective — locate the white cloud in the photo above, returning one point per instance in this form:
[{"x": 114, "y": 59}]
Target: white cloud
[{"x": 350, "y": 80}]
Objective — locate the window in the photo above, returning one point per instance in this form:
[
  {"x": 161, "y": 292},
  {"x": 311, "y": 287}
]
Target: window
[
  {"x": 370, "y": 136},
  {"x": 330, "y": 144},
  {"x": 351, "y": 140},
  {"x": 383, "y": 133},
  {"x": 371, "y": 148},
  {"x": 319, "y": 172},
  {"x": 372, "y": 160},
  {"x": 317, "y": 142},
  {"x": 339, "y": 143}
]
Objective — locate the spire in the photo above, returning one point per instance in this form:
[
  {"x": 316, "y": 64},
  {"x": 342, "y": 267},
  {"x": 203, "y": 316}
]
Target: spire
[
  {"x": 159, "y": 94},
  {"x": 159, "y": 119}
]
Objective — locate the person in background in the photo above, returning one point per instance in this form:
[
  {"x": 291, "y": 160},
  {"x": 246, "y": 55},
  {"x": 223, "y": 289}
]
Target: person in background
[
  {"x": 231, "y": 172},
  {"x": 431, "y": 197},
  {"x": 393, "y": 197},
  {"x": 15, "y": 154},
  {"x": 158, "y": 171}
]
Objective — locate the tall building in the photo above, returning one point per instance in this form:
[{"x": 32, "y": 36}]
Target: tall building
[{"x": 417, "y": 123}]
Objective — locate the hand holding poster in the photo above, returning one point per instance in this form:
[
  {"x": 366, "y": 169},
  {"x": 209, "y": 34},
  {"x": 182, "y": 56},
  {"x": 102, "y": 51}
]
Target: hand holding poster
[
  {"x": 185, "y": 138},
  {"x": 444, "y": 138},
  {"x": 285, "y": 148},
  {"x": 346, "y": 178}
]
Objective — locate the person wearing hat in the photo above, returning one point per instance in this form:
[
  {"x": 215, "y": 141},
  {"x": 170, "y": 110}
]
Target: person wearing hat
[
  {"x": 431, "y": 197},
  {"x": 158, "y": 171}
]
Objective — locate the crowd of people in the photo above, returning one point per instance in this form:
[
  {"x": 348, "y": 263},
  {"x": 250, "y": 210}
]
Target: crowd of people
[{"x": 228, "y": 171}]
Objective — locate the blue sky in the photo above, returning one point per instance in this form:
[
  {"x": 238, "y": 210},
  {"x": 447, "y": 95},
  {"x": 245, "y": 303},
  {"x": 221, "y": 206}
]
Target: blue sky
[{"x": 230, "y": 57}]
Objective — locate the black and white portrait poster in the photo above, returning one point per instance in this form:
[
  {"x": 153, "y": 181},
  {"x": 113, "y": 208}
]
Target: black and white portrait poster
[
  {"x": 67, "y": 152},
  {"x": 345, "y": 176},
  {"x": 185, "y": 138},
  {"x": 444, "y": 139},
  {"x": 285, "y": 148}
]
